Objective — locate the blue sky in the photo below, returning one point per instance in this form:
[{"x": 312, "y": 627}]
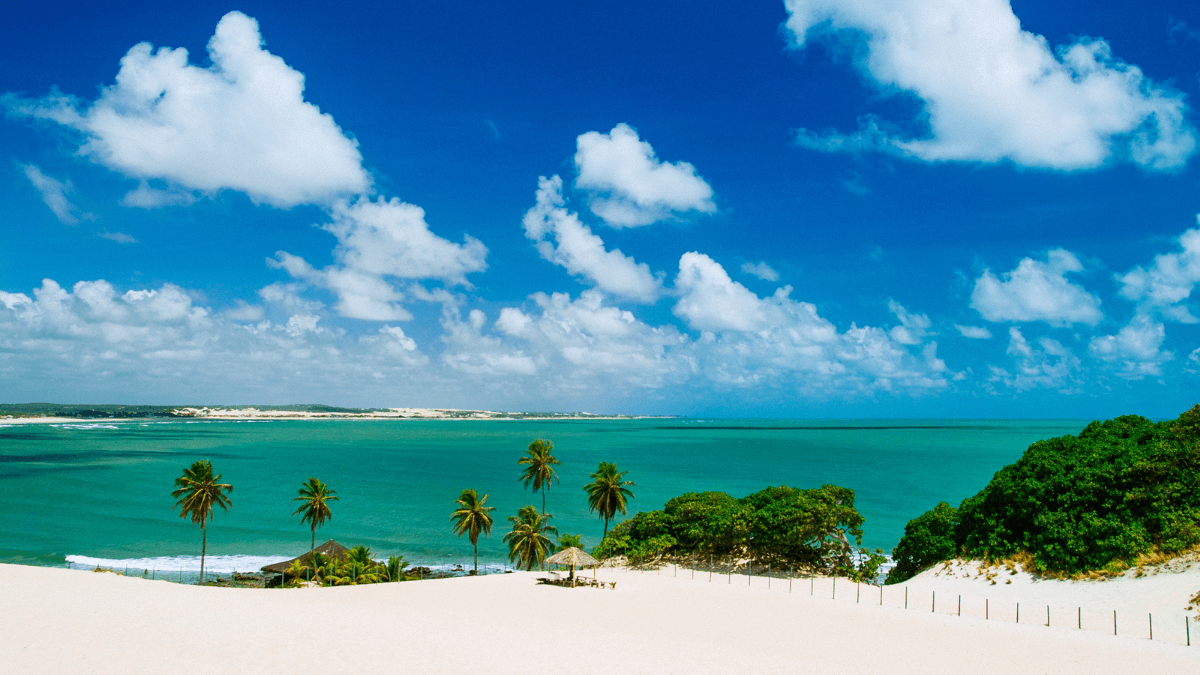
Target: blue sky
[{"x": 806, "y": 208}]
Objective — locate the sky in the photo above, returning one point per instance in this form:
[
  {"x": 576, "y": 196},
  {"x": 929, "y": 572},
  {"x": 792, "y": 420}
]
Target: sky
[{"x": 765, "y": 208}]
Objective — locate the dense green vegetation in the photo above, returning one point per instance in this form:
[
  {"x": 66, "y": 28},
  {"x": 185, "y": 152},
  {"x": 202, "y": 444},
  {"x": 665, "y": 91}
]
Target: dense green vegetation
[
  {"x": 355, "y": 568},
  {"x": 1098, "y": 501},
  {"x": 786, "y": 526}
]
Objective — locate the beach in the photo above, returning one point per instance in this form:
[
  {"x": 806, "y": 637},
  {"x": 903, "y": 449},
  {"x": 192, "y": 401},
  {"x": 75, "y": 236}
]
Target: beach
[{"x": 72, "y": 621}]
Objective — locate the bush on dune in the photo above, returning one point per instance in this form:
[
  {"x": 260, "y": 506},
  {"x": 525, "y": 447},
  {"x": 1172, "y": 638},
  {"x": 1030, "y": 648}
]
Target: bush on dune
[
  {"x": 1121, "y": 489},
  {"x": 780, "y": 525}
]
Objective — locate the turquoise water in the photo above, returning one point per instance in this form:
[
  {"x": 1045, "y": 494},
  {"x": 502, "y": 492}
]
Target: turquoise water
[{"x": 101, "y": 492}]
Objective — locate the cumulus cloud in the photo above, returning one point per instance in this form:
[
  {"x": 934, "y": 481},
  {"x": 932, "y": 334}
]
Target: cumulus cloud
[
  {"x": 581, "y": 252},
  {"x": 1164, "y": 287},
  {"x": 992, "y": 91},
  {"x": 378, "y": 240},
  {"x": 974, "y": 332},
  {"x": 553, "y": 349},
  {"x": 54, "y": 195},
  {"x": 913, "y": 327},
  {"x": 761, "y": 270},
  {"x": 1037, "y": 291},
  {"x": 156, "y": 343},
  {"x": 747, "y": 340},
  {"x": 1049, "y": 365},
  {"x": 709, "y": 300},
  {"x": 570, "y": 345},
  {"x": 240, "y": 124},
  {"x": 1136, "y": 349},
  {"x": 630, "y": 185}
]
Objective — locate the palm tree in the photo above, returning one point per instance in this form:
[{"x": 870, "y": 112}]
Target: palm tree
[
  {"x": 539, "y": 467},
  {"x": 394, "y": 571},
  {"x": 198, "y": 492},
  {"x": 566, "y": 541},
  {"x": 607, "y": 492},
  {"x": 472, "y": 517},
  {"x": 314, "y": 504},
  {"x": 528, "y": 543}
]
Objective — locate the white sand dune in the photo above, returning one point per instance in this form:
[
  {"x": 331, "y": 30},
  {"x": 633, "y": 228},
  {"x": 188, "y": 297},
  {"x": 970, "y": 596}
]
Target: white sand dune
[{"x": 68, "y": 621}]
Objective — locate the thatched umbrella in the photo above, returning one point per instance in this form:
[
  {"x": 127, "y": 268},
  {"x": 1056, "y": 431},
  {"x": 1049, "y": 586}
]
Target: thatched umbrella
[{"x": 574, "y": 558}]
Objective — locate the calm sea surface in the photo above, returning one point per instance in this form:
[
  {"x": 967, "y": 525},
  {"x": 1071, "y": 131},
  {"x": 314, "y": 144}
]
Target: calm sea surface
[{"x": 100, "y": 493}]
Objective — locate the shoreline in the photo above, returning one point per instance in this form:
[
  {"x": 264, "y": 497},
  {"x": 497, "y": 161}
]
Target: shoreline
[
  {"x": 267, "y": 414},
  {"x": 74, "y": 621}
]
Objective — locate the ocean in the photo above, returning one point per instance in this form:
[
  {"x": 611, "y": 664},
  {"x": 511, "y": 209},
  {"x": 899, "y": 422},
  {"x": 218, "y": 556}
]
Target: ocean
[{"x": 99, "y": 493}]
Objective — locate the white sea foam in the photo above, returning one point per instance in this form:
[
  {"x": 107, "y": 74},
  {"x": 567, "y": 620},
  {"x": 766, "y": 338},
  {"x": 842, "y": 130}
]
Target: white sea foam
[
  {"x": 227, "y": 564},
  {"x": 222, "y": 564}
]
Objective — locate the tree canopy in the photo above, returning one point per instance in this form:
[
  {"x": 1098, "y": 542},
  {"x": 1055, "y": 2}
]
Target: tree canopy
[
  {"x": 1096, "y": 501},
  {"x": 785, "y": 525}
]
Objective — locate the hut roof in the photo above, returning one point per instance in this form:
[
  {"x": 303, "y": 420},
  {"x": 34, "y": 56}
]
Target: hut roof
[
  {"x": 330, "y": 549},
  {"x": 572, "y": 556}
]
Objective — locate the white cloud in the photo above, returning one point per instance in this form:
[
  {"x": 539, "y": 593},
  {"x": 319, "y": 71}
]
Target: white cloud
[
  {"x": 761, "y": 270},
  {"x": 1169, "y": 281},
  {"x": 630, "y": 186},
  {"x": 243, "y": 311},
  {"x": 581, "y": 252},
  {"x": 779, "y": 342},
  {"x": 1136, "y": 348},
  {"x": 1050, "y": 365},
  {"x": 119, "y": 237},
  {"x": 146, "y": 197},
  {"x": 1037, "y": 291},
  {"x": 710, "y": 301},
  {"x": 554, "y": 351},
  {"x": 156, "y": 344},
  {"x": 569, "y": 345},
  {"x": 993, "y": 92},
  {"x": 241, "y": 124},
  {"x": 381, "y": 239},
  {"x": 913, "y": 328},
  {"x": 974, "y": 332},
  {"x": 54, "y": 195},
  {"x": 391, "y": 238}
]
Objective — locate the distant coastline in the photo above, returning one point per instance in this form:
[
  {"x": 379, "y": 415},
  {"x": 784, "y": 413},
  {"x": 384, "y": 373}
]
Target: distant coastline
[{"x": 53, "y": 413}]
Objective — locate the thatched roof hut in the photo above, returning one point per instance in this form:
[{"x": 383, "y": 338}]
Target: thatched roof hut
[
  {"x": 572, "y": 557},
  {"x": 330, "y": 549}
]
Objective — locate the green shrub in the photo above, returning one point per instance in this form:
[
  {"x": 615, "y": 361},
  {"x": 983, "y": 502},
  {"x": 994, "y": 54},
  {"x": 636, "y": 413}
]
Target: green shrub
[
  {"x": 1120, "y": 489},
  {"x": 928, "y": 540},
  {"x": 780, "y": 525}
]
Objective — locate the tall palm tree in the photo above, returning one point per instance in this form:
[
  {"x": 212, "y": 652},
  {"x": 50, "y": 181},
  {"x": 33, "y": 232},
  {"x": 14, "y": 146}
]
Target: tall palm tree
[
  {"x": 539, "y": 467},
  {"x": 607, "y": 493},
  {"x": 472, "y": 517},
  {"x": 528, "y": 543},
  {"x": 198, "y": 492},
  {"x": 314, "y": 501}
]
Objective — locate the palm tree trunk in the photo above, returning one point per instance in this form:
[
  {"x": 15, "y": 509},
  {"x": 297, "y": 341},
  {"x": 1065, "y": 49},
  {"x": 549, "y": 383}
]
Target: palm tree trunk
[
  {"x": 203, "y": 550},
  {"x": 313, "y": 545},
  {"x": 605, "y": 529},
  {"x": 543, "y": 501},
  {"x": 476, "y": 559}
]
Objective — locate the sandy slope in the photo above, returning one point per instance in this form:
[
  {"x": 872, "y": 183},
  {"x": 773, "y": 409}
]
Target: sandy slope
[
  {"x": 65, "y": 621},
  {"x": 1161, "y": 594}
]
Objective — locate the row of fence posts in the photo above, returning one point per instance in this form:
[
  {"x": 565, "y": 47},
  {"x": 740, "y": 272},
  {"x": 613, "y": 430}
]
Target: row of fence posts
[
  {"x": 858, "y": 594},
  {"x": 933, "y": 597}
]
